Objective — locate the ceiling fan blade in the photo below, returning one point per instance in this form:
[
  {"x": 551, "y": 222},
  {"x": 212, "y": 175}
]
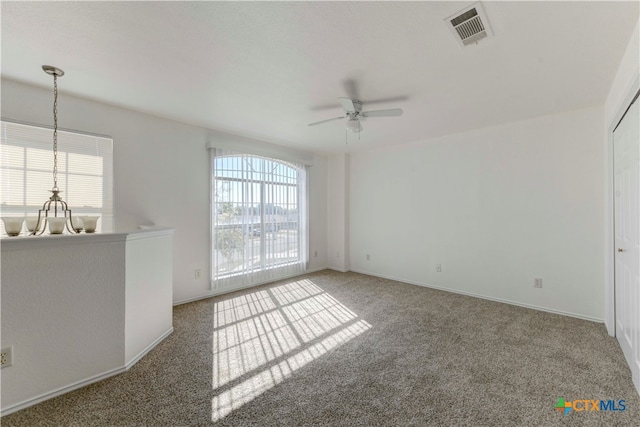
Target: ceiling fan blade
[
  {"x": 398, "y": 98},
  {"x": 325, "y": 121},
  {"x": 382, "y": 113},
  {"x": 347, "y": 104},
  {"x": 364, "y": 102}
]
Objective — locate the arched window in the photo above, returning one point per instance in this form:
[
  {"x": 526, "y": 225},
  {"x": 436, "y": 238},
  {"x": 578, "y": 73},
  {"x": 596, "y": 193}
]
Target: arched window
[{"x": 258, "y": 218}]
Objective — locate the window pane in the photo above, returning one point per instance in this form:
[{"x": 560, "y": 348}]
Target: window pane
[
  {"x": 36, "y": 191},
  {"x": 12, "y": 187},
  {"x": 84, "y": 191},
  {"x": 42, "y": 160},
  {"x": 85, "y": 164},
  {"x": 255, "y": 215},
  {"x": 85, "y": 171},
  {"x": 11, "y": 156}
]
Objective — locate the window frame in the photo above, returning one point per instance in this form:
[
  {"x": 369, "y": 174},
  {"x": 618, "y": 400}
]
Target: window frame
[{"x": 265, "y": 180}]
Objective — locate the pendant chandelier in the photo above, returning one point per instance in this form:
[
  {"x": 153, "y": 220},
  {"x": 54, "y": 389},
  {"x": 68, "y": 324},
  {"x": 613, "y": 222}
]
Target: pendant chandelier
[{"x": 55, "y": 212}]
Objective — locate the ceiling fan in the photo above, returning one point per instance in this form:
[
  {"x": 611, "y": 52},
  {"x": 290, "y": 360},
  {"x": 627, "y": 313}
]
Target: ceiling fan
[{"x": 353, "y": 114}]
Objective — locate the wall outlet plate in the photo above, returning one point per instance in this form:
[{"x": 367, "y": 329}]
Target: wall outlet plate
[{"x": 6, "y": 357}]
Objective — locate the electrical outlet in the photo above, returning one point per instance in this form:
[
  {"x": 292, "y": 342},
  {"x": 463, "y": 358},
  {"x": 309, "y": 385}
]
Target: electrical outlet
[
  {"x": 6, "y": 357},
  {"x": 315, "y": 254},
  {"x": 197, "y": 273},
  {"x": 439, "y": 268},
  {"x": 537, "y": 283},
  {"x": 368, "y": 257}
]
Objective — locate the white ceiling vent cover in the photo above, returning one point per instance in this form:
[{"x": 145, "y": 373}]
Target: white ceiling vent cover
[{"x": 469, "y": 25}]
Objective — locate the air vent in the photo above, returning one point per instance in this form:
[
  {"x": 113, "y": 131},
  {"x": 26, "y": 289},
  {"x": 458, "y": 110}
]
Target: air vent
[{"x": 470, "y": 25}]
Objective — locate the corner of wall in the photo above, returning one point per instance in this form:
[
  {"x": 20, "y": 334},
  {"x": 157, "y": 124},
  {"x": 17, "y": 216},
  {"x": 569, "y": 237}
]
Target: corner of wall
[{"x": 337, "y": 212}]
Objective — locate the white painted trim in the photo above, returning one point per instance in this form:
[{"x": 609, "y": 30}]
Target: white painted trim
[
  {"x": 609, "y": 289},
  {"x": 150, "y": 347},
  {"x": 228, "y": 291},
  {"x": 609, "y": 248},
  {"x": 485, "y": 297},
  {"x": 150, "y": 232},
  {"x": 33, "y": 242},
  {"x": 260, "y": 148},
  {"x": 81, "y": 132},
  {"x": 58, "y": 392},
  {"x": 340, "y": 270}
]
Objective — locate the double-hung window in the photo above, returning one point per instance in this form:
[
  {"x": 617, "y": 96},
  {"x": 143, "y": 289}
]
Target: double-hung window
[
  {"x": 85, "y": 172},
  {"x": 258, "y": 219}
]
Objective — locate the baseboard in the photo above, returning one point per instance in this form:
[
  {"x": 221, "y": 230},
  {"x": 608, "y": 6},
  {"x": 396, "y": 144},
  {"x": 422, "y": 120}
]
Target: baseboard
[
  {"x": 150, "y": 347},
  {"x": 471, "y": 294},
  {"x": 83, "y": 383},
  {"x": 60, "y": 391},
  {"x": 228, "y": 291}
]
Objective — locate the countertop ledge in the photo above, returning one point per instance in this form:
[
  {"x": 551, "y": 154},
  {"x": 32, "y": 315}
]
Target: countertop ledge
[{"x": 32, "y": 242}]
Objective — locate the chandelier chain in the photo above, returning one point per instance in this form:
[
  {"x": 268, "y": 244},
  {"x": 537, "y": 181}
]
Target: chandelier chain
[{"x": 55, "y": 133}]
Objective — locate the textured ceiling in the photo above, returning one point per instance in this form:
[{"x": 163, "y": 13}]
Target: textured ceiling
[{"x": 267, "y": 69}]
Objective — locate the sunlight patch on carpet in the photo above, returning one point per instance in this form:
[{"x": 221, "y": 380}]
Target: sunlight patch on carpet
[{"x": 261, "y": 338}]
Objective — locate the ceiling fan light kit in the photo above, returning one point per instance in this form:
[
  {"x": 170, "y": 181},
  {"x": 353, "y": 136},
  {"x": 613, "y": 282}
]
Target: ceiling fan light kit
[
  {"x": 353, "y": 124},
  {"x": 353, "y": 113}
]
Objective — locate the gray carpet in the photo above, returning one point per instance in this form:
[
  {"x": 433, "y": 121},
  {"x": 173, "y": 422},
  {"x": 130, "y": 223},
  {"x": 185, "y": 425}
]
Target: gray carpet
[{"x": 345, "y": 349}]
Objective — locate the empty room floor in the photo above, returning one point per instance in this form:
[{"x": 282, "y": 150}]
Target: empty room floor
[{"x": 332, "y": 348}]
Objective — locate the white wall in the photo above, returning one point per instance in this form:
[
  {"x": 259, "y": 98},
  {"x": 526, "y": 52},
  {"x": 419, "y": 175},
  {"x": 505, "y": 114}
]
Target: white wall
[
  {"x": 63, "y": 311},
  {"x": 497, "y": 207},
  {"x": 337, "y": 212},
  {"x": 318, "y": 214},
  {"x": 89, "y": 307},
  {"x": 161, "y": 170},
  {"x": 628, "y": 71},
  {"x": 148, "y": 294},
  {"x": 624, "y": 86}
]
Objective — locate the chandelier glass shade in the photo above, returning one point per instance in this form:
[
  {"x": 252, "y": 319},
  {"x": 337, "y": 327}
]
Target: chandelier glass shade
[{"x": 353, "y": 124}]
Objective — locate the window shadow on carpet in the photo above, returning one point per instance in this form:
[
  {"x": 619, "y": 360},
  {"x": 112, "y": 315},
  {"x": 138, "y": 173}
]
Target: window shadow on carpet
[{"x": 261, "y": 338}]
